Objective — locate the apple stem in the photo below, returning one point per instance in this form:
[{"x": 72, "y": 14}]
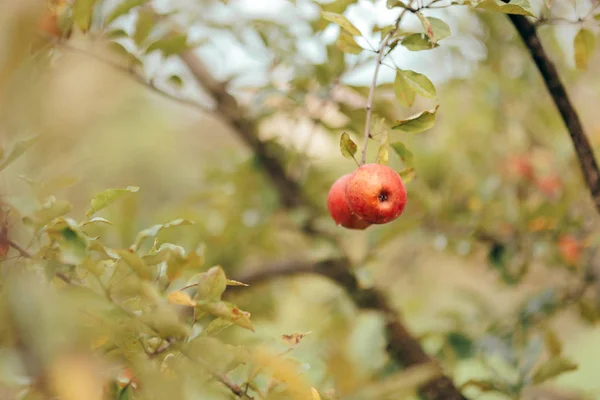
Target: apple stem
[{"x": 369, "y": 106}]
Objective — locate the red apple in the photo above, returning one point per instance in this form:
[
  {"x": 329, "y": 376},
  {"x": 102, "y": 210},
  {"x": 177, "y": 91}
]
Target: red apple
[
  {"x": 521, "y": 166},
  {"x": 570, "y": 249},
  {"x": 550, "y": 185},
  {"x": 338, "y": 206},
  {"x": 376, "y": 193}
]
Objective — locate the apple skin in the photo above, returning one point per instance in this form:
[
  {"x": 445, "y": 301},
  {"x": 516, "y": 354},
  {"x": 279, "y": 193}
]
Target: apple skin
[
  {"x": 376, "y": 193},
  {"x": 550, "y": 185},
  {"x": 521, "y": 166},
  {"x": 570, "y": 249},
  {"x": 338, "y": 206}
]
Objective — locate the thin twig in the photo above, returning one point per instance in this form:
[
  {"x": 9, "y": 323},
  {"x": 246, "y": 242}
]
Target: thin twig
[
  {"x": 22, "y": 251},
  {"x": 369, "y": 106},
  {"x": 221, "y": 377}
]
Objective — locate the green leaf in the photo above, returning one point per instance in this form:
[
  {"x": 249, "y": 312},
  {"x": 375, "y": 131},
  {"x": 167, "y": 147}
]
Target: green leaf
[
  {"x": 143, "y": 27},
  {"x": 383, "y": 152},
  {"x": 441, "y": 30},
  {"x": 417, "y": 123},
  {"x": 461, "y": 344},
  {"x": 342, "y": 21},
  {"x": 72, "y": 243},
  {"x": 136, "y": 263},
  {"x": 552, "y": 368},
  {"x": 417, "y": 42},
  {"x": 229, "y": 312},
  {"x": 171, "y": 45},
  {"x": 583, "y": 47},
  {"x": 117, "y": 34},
  {"x": 419, "y": 83},
  {"x": 482, "y": 385},
  {"x": 552, "y": 342},
  {"x": 162, "y": 318},
  {"x": 427, "y": 26},
  {"x": 337, "y": 6},
  {"x": 82, "y": 13},
  {"x": 407, "y": 174},
  {"x": 512, "y": 8},
  {"x": 17, "y": 151},
  {"x": 336, "y": 62},
  {"x": 395, "y": 3},
  {"x": 347, "y": 44},
  {"x": 347, "y": 146},
  {"x": 211, "y": 285},
  {"x": 126, "y": 393},
  {"x": 403, "y": 90},
  {"x": 177, "y": 261},
  {"x": 403, "y": 153},
  {"x": 153, "y": 231},
  {"x": 123, "y": 8},
  {"x": 107, "y": 197},
  {"x": 215, "y": 326}
]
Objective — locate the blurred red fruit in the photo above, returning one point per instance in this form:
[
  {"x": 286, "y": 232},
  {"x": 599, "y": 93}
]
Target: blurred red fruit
[
  {"x": 550, "y": 185},
  {"x": 376, "y": 193},
  {"x": 338, "y": 206},
  {"x": 570, "y": 249},
  {"x": 522, "y": 167}
]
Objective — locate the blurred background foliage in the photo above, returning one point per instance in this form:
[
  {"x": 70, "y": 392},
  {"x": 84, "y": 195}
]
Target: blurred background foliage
[{"x": 492, "y": 264}]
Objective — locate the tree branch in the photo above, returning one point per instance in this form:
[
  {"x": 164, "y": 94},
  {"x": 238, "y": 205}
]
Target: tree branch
[
  {"x": 137, "y": 77},
  {"x": 585, "y": 154},
  {"x": 234, "y": 116},
  {"x": 24, "y": 253},
  {"x": 228, "y": 110}
]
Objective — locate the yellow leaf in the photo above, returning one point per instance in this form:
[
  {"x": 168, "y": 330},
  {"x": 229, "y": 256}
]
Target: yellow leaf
[
  {"x": 74, "y": 377},
  {"x": 228, "y": 311},
  {"x": 407, "y": 174},
  {"x": 342, "y": 21},
  {"x": 315, "y": 394},
  {"x": 583, "y": 47},
  {"x": 181, "y": 298},
  {"x": 286, "y": 371},
  {"x": 99, "y": 342}
]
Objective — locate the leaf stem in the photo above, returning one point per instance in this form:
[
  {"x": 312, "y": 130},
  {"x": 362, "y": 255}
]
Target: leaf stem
[
  {"x": 369, "y": 106},
  {"x": 24, "y": 253}
]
